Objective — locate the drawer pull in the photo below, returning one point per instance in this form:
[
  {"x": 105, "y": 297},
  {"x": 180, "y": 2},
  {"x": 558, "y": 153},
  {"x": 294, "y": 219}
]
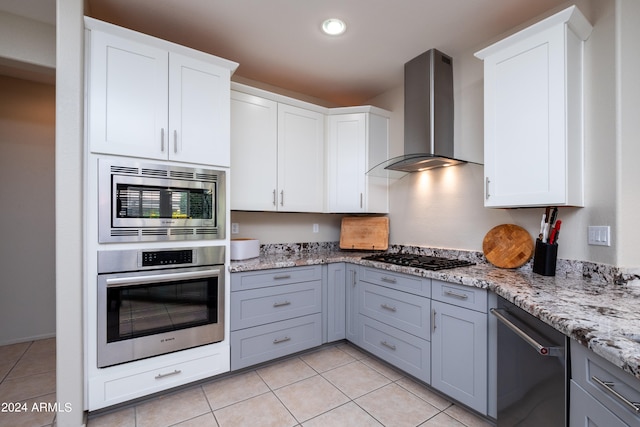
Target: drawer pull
[
  {"x": 281, "y": 304},
  {"x": 388, "y": 307},
  {"x": 608, "y": 386},
  {"x": 456, "y": 295},
  {"x": 281, "y": 276},
  {"x": 386, "y": 344},
  {"x": 388, "y": 279},
  {"x": 169, "y": 374},
  {"x": 281, "y": 340}
]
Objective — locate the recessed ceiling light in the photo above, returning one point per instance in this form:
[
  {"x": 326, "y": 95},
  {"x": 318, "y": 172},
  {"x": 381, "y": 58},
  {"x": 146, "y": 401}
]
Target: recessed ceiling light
[{"x": 334, "y": 26}]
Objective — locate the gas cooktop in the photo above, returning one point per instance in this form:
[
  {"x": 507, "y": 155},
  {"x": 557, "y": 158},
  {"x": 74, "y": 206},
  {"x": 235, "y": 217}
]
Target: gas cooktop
[{"x": 419, "y": 261}]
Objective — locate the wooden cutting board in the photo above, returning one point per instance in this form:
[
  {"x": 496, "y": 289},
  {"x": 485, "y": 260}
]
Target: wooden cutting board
[
  {"x": 364, "y": 233},
  {"x": 508, "y": 246}
]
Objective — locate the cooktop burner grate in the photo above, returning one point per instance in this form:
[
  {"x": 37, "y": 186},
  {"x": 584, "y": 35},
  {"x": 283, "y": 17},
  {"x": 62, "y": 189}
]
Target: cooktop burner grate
[{"x": 419, "y": 261}]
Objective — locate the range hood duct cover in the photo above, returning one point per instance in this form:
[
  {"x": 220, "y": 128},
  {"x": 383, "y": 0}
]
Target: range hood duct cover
[{"x": 428, "y": 115}]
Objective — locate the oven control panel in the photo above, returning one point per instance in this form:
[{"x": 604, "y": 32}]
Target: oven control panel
[{"x": 154, "y": 258}]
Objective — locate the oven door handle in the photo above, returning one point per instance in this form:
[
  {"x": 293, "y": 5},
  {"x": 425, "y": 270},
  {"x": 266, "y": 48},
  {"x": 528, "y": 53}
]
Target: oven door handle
[
  {"x": 541, "y": 349},
  {"x": 160, "y": 278}
]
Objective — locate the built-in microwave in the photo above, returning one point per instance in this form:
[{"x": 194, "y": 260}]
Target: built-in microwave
[{"x": 144, "y": 202}]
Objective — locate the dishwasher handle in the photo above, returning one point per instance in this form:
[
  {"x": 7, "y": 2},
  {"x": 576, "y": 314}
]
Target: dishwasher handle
[{"x": 541, "y": 349}]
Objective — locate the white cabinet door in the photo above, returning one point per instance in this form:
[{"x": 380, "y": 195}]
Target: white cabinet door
[
  {"x": 356, "y": 142},
  {"x": 198, "y": 111},
  {"x": 128, "y": 98},
  {"x": 300, "y": 160},
  {"x": 459, "y": 354},
  {"x": 254, "y": 152},
  {"x": 533, "y": 106}
]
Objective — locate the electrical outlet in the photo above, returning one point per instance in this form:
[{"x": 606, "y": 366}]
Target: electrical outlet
[
  {"x": 599, "y": 235},
  {"x": 235, "y": 228},
  {"x": 316, "y": 228}
]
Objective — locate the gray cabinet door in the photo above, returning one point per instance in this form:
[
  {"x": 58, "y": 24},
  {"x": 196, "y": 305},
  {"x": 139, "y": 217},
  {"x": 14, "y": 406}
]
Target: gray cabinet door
[
  {"x": 336, "y": 302},
  {"x": 585, "y": 410},
  {"x": 459, "y": 354},
  {"x": 351, "y": 294}
]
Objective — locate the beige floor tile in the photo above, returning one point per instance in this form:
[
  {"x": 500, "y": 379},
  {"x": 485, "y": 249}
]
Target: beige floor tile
[
  {"x": 12, "y": 352},
  {"x": 172, "y": 408},
  {"x": 352, "y": 351},
  {"x": 206, "y": 420},
  {"x": 383, "y": 368},
  {"x": 442, "y": 420},
  {"x": 310, "y": 397},
  {"x": 356, "y": 379},
  {"x": 45, "y": 347},
  {"x": 125, "y": 417},
  {"x": 234, "y": 389},
  {"x": 286, "y": 372},
  {"x": 348, "y": 415},
  {"x": 465, "y": 417},
  {"x": 264, "y": 411},
  {"x": 394, "y": 406},
  {"x": 424, "y": 393},
  {"x": 5, "y": 368},
  {"x": 327, "y": 358},
  {"x": 29, "y": 416},
  {"x": 18, "y": 389},
  {"x": 32, "y": 363}
]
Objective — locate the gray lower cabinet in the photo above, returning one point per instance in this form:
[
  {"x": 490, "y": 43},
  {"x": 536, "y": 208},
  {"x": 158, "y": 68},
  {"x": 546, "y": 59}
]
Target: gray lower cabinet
[
  {"x": 352, "y": 329},
  {"x": 394, "y": 319},
  {"x": 601, "y": 394},
  {"x": 274, "y": 313},
  {"x": 336, "y": 301},
  {"x": 459, "y": 343}
]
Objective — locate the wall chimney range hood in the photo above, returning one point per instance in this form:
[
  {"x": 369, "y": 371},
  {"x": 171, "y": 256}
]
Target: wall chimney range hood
[{"x": 428, "y": 116}]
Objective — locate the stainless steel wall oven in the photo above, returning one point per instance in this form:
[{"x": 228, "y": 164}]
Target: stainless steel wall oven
[
  {"x": 150, "y": 202},
  {"x": 152, "y": 302}
]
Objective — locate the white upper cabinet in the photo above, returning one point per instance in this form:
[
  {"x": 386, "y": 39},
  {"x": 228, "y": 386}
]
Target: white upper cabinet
[
  {"x": 153, "y": 99},
  {"x": 533, "y": 114},
  {"x": 277, "y": 154},
  {"x": 356, "y": 142}
]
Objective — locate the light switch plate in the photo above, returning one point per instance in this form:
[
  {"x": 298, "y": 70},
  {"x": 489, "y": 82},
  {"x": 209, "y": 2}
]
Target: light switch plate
[{"x": 599, "y": 235}]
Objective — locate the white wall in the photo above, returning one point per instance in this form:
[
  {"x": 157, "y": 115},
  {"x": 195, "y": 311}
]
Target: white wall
[{"x": 27, "y": 264}]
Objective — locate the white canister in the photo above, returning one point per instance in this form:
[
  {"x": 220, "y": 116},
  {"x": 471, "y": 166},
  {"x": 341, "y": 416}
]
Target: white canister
[{"x": 244, "y": 249}]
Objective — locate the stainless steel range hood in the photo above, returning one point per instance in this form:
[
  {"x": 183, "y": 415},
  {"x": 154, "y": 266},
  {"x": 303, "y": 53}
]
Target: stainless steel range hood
[{"x": 428, "y": 116}]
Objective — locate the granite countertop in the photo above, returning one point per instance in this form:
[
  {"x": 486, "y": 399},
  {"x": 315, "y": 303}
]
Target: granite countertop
[{"x": 604, "y": 316}]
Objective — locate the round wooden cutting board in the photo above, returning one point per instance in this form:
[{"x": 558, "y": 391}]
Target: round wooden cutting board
[{"x": 508, "y": 246}]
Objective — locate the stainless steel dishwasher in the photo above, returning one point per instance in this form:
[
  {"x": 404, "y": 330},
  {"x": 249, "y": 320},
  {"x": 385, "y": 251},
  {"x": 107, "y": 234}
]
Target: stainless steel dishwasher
[{"x": 531, "y": 369}]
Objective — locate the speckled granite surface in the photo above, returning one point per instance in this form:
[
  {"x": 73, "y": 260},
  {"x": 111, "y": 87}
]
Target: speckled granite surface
[{"x": 596, "y": 305}]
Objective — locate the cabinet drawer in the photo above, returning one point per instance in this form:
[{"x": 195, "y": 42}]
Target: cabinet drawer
[
  {"x": 401, "y": 310},
  {"x": 405, "y": 351},
  {"x": 265, "y": 305},
  {"x": 267, "y": 342},
  {"x": 587, "y": 369},
  {"x": 280, "y": 276},
  {"x": 143, "y": 383},
  {"x": 460, "y": 295},
  {"x": 415, "y": 285},
  {"x": 585, "y": 410}
]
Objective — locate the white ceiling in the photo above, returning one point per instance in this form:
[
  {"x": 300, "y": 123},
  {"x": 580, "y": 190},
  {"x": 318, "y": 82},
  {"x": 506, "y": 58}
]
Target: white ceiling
[{"x": 278, "y": 42}]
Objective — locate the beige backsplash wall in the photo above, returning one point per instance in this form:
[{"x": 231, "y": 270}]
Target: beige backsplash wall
[{"x": 283, "y": 227}]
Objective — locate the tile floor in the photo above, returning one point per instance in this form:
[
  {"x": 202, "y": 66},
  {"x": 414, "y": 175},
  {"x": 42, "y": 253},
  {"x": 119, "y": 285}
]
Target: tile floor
[{"x": 336, "y": 385}]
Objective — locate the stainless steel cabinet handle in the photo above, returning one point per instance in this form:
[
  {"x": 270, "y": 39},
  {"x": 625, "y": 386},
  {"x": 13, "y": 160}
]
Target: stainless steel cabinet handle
[
  {"x": 281, "y": 340},
  {"x": 541, "y": 349},
  {"x": 361, "y": 201},
  {"x": 487, "y": 188},
  {"x": 274, "y": 198},
  {"x": 281, "y": 304},
  {"x": 281, "y": 276},
  {"x": 162, "y": 140},
  {"x": 161, "y": 376},
  {"x": 353, "y": 273},
  {"x": 175, "y": 141},
  {"x": 608, "y": 386},
  {"x": 386, "y": 344},
  {"x": 433, "y": 319},
  {"x": 388, "y": 307},
  {"x": 171, "y": 277},
  {"x": 456, "y": 295},
  {"x": 282, "y": 198},
  {"x": 388, "y": 279}
]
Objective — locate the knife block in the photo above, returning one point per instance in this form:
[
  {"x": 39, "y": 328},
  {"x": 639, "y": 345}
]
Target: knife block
[{"x": 544, "y": 258}]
